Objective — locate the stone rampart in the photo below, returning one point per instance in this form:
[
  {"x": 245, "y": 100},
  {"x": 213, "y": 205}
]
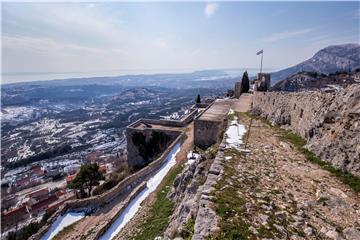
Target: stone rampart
[
  {"x": 123, "y": 187},
  {"x": 169, "y": 123},
  {"x": 144, "y": 144},
  {"x": 330, "y": 122}
]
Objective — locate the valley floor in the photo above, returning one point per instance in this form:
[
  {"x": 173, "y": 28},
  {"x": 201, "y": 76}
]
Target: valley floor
[{"x": 274, "y": 192}]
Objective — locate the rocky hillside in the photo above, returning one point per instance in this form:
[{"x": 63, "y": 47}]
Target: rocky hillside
[
  {"x": 327, "y": 60},
  {"x": 314, "y": 81}
]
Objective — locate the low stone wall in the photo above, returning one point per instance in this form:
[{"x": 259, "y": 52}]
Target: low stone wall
[
  {"x": 169, "y": 123},
  {"x": 202, "y": 105},
  {"x": 127, "y": 201},
  {"x": 330, "y": 122},
  {"x": 48, "y": 224},
  {"x": 123, "y": 187}
]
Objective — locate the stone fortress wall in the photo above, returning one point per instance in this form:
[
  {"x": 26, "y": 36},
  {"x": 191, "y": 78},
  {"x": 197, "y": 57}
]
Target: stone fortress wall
[
  {"x": 146, "y": 138},
  {"x": 138, "y": 152},
  {"x": 126, "y": 186},
  {"x": 329, "y": 121},
  {"x": 170, "y": 123}
]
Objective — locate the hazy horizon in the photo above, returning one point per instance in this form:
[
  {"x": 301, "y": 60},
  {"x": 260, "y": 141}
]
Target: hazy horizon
[
  {"x": 11, "y": 78},
  {"x": 87, "y": 38}
]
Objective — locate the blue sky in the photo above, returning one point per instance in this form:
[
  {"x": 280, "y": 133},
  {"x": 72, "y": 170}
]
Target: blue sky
[{"x": 67, "y": 37}]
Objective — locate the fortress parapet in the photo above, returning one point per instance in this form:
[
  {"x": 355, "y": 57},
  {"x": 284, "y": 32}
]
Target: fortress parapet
[
  {"x": 263, "y": 82},
  {"x": 148, "y": 138}
]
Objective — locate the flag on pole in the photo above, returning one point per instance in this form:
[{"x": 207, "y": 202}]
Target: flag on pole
[{"x": 260, "y": 52}]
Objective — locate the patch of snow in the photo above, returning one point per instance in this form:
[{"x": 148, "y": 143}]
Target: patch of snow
[
  {"x": 192, "y": 157},
  {"x": 16, "y": 114},
  {"x": 105, "y": 146},
  {"x": 234, "y": 134},
  {"x": 228, "y": 157},
  {"x": 140, "y": 102},
  {"x": 77, "y": 134},
  {"x": 134, "y": 205},
  {"x": 24, "y": 151},
  {"x": 61, "y": 222},
  {"x": 97, "y": 137}
]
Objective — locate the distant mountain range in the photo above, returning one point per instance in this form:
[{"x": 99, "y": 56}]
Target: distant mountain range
[{"x": 327, "y": 60}]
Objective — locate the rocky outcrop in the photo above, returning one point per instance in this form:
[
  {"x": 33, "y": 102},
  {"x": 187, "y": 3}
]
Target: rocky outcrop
[
  {"x": 206, "y": 222},
  {"x": 194, "y": 216},
  {"x": 330, "y": 122},
  {"x": 186, "y": 193},
  {"x": 314, "y": 81},
  {"x": 327, "y": 60}
]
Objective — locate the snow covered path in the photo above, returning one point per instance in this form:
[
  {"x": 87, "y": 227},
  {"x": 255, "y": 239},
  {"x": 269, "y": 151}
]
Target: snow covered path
[
  {"x": 61, "y": 222},
  {"x": 134, "y": 205},
  {"x": 234, "y": 134}
]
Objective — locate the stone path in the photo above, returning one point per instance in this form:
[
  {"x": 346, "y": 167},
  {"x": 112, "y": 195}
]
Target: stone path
[
  {"x": 275, "y": 193},
  {"x": 243, "y": 104}
]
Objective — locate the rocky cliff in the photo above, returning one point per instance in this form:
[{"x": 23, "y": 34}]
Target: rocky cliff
[
  {"x": 330, "y": 122},
  {"x": 327, "y": 60},
  {"x": 314, "y": 81}
]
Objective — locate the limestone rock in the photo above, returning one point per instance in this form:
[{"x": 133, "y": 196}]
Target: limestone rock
[
  {"x": 351, "y": 233},
  {"x": 333, "y": 235}
]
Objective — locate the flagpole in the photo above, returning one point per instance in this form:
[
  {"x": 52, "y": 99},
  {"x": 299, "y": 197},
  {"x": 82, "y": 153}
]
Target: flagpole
[{"x": 261, "y": 62}]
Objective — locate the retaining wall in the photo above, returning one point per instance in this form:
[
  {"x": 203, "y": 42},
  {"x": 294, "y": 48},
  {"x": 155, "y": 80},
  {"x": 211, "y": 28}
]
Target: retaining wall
[
  {"x": 330, "y": 122},
  {"x": 121, "y": 210}
]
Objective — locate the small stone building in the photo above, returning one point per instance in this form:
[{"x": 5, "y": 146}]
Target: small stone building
[{"x": 209, "y": 126}]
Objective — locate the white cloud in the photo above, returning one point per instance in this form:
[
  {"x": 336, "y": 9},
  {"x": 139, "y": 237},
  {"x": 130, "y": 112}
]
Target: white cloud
[
  {"x": 286, "y": 35},
  {"x": 160, "y": 43},
  {"x": 210, "y": 9}
]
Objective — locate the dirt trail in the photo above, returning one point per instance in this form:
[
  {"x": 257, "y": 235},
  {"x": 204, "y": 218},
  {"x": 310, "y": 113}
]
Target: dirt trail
[
  {"x": 281, "y": 195},
  {"x": 243, "y": 104}
]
